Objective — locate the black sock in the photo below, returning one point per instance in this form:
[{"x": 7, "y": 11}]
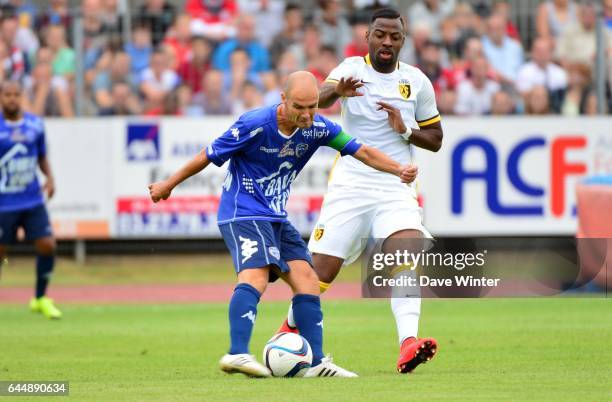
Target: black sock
[{"x": 44, "y": 269}]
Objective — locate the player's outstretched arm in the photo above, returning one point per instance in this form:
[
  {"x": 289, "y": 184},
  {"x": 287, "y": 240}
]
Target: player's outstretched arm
[
  {"x": 162, "y": 189},
  {"x": 380, "y": 161},
  {"x": 332, "y": 90}
]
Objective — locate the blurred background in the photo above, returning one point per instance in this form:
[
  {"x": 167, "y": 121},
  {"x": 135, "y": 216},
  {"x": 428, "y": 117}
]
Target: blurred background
[{"x": 222, "y": 57}]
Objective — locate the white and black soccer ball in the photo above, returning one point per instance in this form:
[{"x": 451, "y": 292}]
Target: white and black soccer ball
[{"x": 287, "y": 355}]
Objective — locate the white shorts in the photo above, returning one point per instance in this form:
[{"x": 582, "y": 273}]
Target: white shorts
[{"x": 350, "y": 216}]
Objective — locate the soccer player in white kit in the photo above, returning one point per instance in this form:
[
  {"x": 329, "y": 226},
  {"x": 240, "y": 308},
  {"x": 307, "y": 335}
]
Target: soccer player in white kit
[{"x": 391, "y": 106}]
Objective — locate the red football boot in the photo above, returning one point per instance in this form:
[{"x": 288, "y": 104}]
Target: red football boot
[
  {"x": 414, "y": 352},
  {"x": 287, "y": 328}
]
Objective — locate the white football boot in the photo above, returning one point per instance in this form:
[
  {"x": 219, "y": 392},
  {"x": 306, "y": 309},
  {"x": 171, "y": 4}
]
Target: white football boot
[
  {"x": 245, "y": 364},
  {"x": 327, "y": 368}
]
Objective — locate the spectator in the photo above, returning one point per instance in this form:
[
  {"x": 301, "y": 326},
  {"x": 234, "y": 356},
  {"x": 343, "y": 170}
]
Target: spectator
[
  {"x": 140, "y": 48},
  {"x": 502, "y": 8},
  {"x": 95, "y": 33},
  {"x": 119, "y": 72},
  {"x": 123, "y": 101},
  {"x": 64, "y": 57},
  {"x": 157, "y": 81},
  {"x": 554, "y": 16},
  {"x": 19, "y": 38},
  {"x": 245, "y": 39},
  {"x": 321, "y": 67},
  {"x": 431, "y": 65},
  {"x": 213, "y": 19},
  {"x": 359, "y": 44},
  {"x": 110, "y": 16},
  {"x": 578, "y": 43},
  {"x": 25, "y": 11},
  {"x": 13, "y": 64},
  {"x": 287, "y": 64},
  {"x": 179, "y": 38},
  {"x": 446, "y": 102},
  {"x": 45, "y": 94},
  {"x": 537, "y": 101},
  {"x": 450, "y": 38},
  {"x": 58, "y": 13},
  {"x": 267, "y": 15},
  {"x": 216, "y": 101},
  {"x": 475, "y": 94},
  {"x": 542, "y": 71},
  {"x": 578, "y": 90},
  {"x": 309, "y": 48},
  {"x": 502, "y": 104},
  {"x": 503, "y": 53},
  {"x": 192, "y": 71},
  {"x": 251, "y": 98},
  {"x": 240, "y": 72},
  {"x": 607, "y": 13},
  {"x": 431, "y": 13},
  {"x": 291, "y": 34},
  {"x": 159, "y": 16},
  {"x": 333, "y": 27},
  {"x": 467, "y": 23},
  {"x": 590, "y": 107},
  {"x": 272, "y": 90}
]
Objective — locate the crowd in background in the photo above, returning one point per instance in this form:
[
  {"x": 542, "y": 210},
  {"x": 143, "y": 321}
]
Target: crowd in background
[{"x": 219, "y": 57}]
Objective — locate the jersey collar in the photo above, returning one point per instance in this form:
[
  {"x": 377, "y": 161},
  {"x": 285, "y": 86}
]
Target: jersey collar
[{"x": 367, "y": 60}]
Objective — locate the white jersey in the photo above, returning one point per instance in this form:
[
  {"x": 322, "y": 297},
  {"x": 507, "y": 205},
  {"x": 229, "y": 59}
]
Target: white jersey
[{"x": 406, "y": 88}]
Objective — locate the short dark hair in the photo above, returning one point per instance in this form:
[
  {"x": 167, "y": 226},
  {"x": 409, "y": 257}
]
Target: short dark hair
[{"x": 387, "y": 13}]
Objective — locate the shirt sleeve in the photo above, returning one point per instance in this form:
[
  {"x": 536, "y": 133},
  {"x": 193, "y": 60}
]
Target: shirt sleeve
[
  {"x": 426, "y": 109},
  {"x": 339, "y": 140},
  {"x": 236, "y": 139},
  {"x": 342, "y": 70}
]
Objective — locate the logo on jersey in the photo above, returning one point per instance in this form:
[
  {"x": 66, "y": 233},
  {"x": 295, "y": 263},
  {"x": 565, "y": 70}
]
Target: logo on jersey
[
  {"x": 273, "y": 251},
  {"x": 286, "y": 150},
  {"x": 142, "y": 142},
  {"x": 318, "y": 232},
  {"x": 248, "y": 247},
  {"x": 277, "y": 186},
  {"x": 404, "y": 89},
  {"x": 235, "y": 133},
  {"x": 18, "y": 136},
  {"x": 301, "y": 149},
  {"x": 315, "y": 133},
  {"x": 268, "y": 150}
]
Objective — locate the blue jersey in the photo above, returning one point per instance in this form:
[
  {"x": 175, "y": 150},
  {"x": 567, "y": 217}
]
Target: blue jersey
[
  {"x": 264, "y": 162},
  {"x": 22, "y": 143}
]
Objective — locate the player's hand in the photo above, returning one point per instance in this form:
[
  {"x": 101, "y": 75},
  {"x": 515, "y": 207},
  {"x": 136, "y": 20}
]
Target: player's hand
[
  {"x": 348, "y": 87},
  {"x": 49, "y": 188},
  {"x": 409, "y": 173},
  {"x": 159, "y": 191},
  {"x": 395, "y": 116}
]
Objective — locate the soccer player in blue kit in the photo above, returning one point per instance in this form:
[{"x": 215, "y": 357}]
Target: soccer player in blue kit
[
  {"x": 22, "y": 203},
  {"x": 266, "y": 149}
]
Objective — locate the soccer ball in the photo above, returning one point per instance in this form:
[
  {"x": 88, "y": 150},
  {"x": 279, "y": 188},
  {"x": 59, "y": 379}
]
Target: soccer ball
[{"x": 287, "y": 355}]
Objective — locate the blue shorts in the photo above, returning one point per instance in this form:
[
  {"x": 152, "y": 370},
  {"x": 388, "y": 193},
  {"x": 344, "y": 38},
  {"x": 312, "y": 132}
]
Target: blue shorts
[
  {"x": 258, "y": 243},
  {"x": 35, "y": 222}
]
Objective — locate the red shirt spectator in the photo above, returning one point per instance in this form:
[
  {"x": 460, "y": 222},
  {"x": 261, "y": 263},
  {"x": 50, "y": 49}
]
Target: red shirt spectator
[{"x": 212, "y": 11}]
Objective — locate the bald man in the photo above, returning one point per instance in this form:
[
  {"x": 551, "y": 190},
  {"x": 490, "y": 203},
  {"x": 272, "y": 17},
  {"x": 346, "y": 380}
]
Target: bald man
[{"x": 266, "y": 149}]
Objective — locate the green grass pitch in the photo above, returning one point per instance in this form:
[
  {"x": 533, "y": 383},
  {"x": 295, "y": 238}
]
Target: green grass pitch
[{"x": 519, "y": 350}]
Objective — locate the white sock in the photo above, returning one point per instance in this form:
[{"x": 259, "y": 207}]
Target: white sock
[
  {"x": 290, "y": 319},
  {"x": 406, "y": 311}
]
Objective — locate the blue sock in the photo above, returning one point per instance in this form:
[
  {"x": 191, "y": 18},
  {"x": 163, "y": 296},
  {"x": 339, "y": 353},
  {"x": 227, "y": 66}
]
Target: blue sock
[
  {"x": 44, "y": 269},
  {"x": 242, "y": 313},
  {"x": 309, "y": 320}
]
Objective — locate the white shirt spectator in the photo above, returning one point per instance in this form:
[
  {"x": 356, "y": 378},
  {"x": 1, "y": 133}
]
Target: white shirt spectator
[
  {"x": 530, "y": 75},
  {"x": 267, "y": 19},
  {"x": 475, "y": 101},
  {"x": 166, "y": 82}
]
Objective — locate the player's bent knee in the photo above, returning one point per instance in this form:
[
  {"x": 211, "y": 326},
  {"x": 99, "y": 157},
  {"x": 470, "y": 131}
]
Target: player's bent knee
[
  {"x": 302, "y": 278},
  {"x": 326, "y": 267},
  {"x": 256, "y": 277},
  {"x": 45, "y": 246}
]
